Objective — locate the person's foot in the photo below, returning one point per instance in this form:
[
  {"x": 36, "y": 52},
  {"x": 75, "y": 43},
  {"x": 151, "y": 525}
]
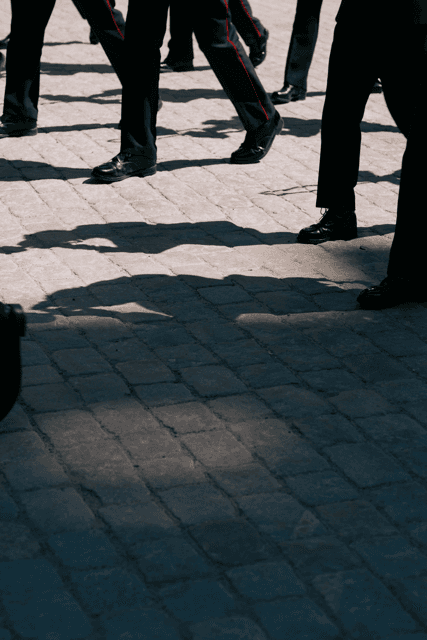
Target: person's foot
[
  {"x": 4, "y": 42},
  {"x": 93, "y": 38},
  {"x": 390, "y": 292},
  {"x": 336, "y": 223},
  {"x": 288, "y": 93},
  {"x": 378, "y": 87},
  {"x": 258, "y": 51},
  {"x": 17, "y": 129},
  {"x": 257, "y": 143},
  {"x": 169, "y": 64},
  {"x": 124, "y": 165}
]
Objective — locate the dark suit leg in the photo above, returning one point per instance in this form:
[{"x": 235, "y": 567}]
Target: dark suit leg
[
  {"x": 181, "y": 30},
  {"x": 29, "y": 20},
  {"x": 351, "y": 57},
  {"x": 98, "y": 14},
  {"x": 230, "y": 63},
  {"x": 249, "y": 28},
  {"x": 144, "y": 37},
  {"x": 303, "y": 42}
]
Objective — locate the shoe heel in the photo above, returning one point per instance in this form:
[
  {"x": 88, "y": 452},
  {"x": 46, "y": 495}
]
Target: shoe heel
[{"x": 144, "y": 173}]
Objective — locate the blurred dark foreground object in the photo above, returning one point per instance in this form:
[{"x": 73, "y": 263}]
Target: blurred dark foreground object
[{"x": 12, "y": 328}]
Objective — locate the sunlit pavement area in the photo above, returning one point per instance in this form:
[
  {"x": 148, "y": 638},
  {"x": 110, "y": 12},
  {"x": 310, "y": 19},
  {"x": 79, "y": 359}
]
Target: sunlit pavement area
[{"x": 212, "y": 440}]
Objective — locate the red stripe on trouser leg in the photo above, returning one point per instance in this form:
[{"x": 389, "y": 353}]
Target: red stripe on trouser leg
[
  {"x": 112, "y": 15},
  {"x": 242, "y": 63},
  {"x": 250, "y": 18}
]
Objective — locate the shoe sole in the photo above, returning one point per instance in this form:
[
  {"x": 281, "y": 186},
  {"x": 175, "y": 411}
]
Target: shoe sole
[
  {"x": 20, "y": 133},
  {"x": 277, "y": 130},
  {"x": 278, "y": 101},
  {"x": 321, "y": 240},
  {"x": 140, "y": 174}
]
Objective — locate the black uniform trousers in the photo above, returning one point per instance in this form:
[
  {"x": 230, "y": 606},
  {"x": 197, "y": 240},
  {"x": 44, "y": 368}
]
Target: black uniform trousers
[
  {"x": 29, "y": 21},
  {"x": 217, "y": 38},
  {"x": 181, "y": 28},
  {"x": 117, "y": 15},
  {"x": 303, "y": 42},
  {"x": 408, "y": 251}
]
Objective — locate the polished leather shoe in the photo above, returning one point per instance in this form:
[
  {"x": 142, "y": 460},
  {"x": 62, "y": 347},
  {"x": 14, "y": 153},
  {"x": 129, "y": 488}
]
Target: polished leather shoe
[
  {"x": 124, "y": 165},
  {"x": 176, "y": 66},
  {"x": 390, "y": 292},
  {"x": 258, "y": 51},
  {"x": 17, "y": 129},
  {"x": 288, "y": 93},
  {"x": 257, "y": 143},
  {"x": 4, "y": 42},
  {"x": 335, "y": 224},
  {"x": 377, "y": 88}
]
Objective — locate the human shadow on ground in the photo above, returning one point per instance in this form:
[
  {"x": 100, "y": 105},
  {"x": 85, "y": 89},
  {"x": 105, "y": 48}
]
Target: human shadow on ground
[{"x": 153, "y": 239}]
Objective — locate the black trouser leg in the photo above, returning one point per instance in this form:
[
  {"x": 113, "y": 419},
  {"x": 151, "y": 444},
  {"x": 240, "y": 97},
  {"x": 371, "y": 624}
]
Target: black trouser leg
[
  {"x": 217, "y": 38},
  {"x": 98, "y": 14},
  {"x": 303, "y": 42},
  {"x": 249, "y": 28},
  {"x": 141, "y": 84},
  {"x": 408, "y": 250},
  {"x": 29, "y": 20},
  {"x": 181, "y": 30}
]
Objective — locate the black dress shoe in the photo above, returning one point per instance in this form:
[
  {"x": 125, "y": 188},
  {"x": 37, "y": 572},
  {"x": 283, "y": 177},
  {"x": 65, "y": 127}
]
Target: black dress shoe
[
  {"x": 288, "y": 93},
  {"x": 257, "y": 143},
  {"x": 335, "y": 224},
  {"x": 17, "y": 129},
  {"x": 378, "y": 87},
  {"x": 93, "y": 38},
  {"x": 390, "y": 292},
  {"x": 258, "y": 51},
  {"x": 177, "y": 66},
  {"x": 4, "y": 42},
  {"x": 124, "y": 165}
]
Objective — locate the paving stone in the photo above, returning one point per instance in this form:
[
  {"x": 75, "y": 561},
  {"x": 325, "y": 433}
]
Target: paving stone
[
  {"x": 134, "y": 625},
  {"x": 59, "y": 339},
  {"x": 418, "y": 532},
  {"x": 101, "y": 329},
  {"x": 163, "y": 393},
  {"x": 328, "y": 430},
  {"x": 392, "y": 558},
  {"x": 413, "y": 592},
  {"x": 355, "y": 519},
  {"x": 198, "y": 600},
  {"x": 70, "y": 428},
  {"x": 321, "y": 488},
  {"x": 149, "y": 446},
  {"x": 110, "y": 590},
  {"x": 403, "y": 503},
  {"x": 136, "y": 522},
  {"x": 99, "y": 387},
  {"x": 245, "y": 481},
  {"x": 224, "y": 295},
  {"x": 187, "y": 355},
  {"x": 165, "y": 473},
  {"x": 42, "y": 471},
  {"x": 130, "y": 349},
  {"x": 16, "y": 541},
  {"x": 20, "y": 446},
  {"x": 84, "y": 549},
  {"x": 215, "y": 333},
  {"x": 400, "y": 343},
  {"x": 15, "y": 420},
  {"x": 266, "y": 374},
  {"x": 124, "y": 416},
  {"x": 324, "y": 554},
  {"x": 169, "y": 558},
  {"x": 331, "y": 382},
  {"x": 394, "y": 428},
  {"x": 403, "y": 391},
  {"x": 194, "y": 505},
  {"x": 413, "y": 455},
  {"x": 232, "y": 628},
  {"x": 5, "y": 634},
  {"x": 80, "y": 361},
  {"x": 217, "y": 449},
  {"x": 55, "y": 510},
  {"x": 363, "y": 605},
  {"x": 307, "y": 358},
  {"x": 381, "y": 368},
  {"x": 39, "y": 374},
  {"x": 212, "y": 380},
  {"x": 294, "y": 402},
  {"x": 142, "y": 372},
  {"x": 8, "y": 508},
  {"x": 266, "y": 581},
  {"x": 280, "y": 516},
  {"x": 163, "y": 334},
  {"x": 361, "y": 403},
  {"x": 240, "y": 408},
  {"x": 232, "y": 542},
  {"x": 188, "y": 417},
  {"x": 366, "y": 464},
  {"x": 241, "y": 353},
  {"x": 51, "y": 397},
  {"x": 299, "y": 618}
]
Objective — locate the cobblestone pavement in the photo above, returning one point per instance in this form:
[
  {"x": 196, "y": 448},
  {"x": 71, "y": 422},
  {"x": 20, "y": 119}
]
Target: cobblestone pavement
[{"x": 212, "y": 440}]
